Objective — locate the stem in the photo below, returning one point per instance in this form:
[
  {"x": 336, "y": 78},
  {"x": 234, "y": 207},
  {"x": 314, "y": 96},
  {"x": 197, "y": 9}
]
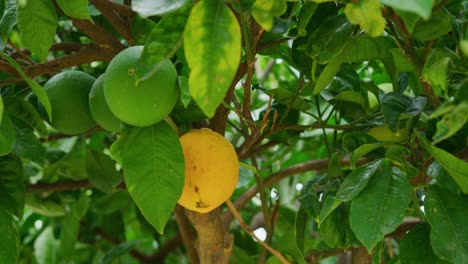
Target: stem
[{"x": 244, "y": 226}]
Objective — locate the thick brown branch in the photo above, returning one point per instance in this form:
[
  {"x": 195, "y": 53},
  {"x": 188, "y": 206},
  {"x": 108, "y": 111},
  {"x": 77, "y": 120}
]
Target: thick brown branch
[
  {"x": 122, "y": 9},
  {"x": 187, "y": 233},
  {"x": 98, "y": 34}
]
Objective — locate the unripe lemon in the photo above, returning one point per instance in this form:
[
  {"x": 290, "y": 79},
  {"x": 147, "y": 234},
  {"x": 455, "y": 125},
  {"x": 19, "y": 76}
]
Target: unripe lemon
[
  {"x": 211, "y": 170},
  {"x": 99, "y": 108},
  {"x": 384, "y": 134},
  {"x": 148, "y": 102},
  {"x": 68, "y": 93}
]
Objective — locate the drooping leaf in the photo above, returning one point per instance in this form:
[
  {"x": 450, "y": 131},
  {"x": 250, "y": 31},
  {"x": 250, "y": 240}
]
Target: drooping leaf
[
  {"x": 330, "y": 204},
  {"x": 397, "y": 106},
  {"x": 8, "y": 20},
  {"x": 153, "y": 165},
  {"x": 421, "y": 7},
  {"x": 76, "y": 8},
  {"x": 7, "y": 135},
  {"x": 101, "y": 171},
  {"x": 10, "y": 246},
  {"x": 37, "y": 23},
  {"x": 264, "y": 11},
  {"x": 148, "y": 8},
  {"x": 212, "y": 45},
  {"x": 23, "y": 110},
  {"x": 357, "y": 180},
  {"x": 162, "y": 43},
  {"x": 435, "y": 71},
  {"x": 446, "y": 212},
  {"x": 301, "y": 227},
  {"x": 285, "y": 96},
  {"x": 367, "y": 14},
  {"x": 353, "y": 140},
  {"x": 456, "y": 167},
  {"x": 327, "y": 74},
  {"x": 415, "y": 247},
  {"x": 380, "y": 207},
  {"x": 35, "y": 87},
  {"x": 71, "y": 228},
  {"x": 141, "y": 29},
  {"x": 12, "y": 187}
]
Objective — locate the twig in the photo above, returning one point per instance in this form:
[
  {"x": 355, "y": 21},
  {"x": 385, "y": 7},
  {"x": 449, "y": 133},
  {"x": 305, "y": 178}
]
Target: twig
[
  {"x": 248, "y": 231},
  {"x": 20, "y": 53},
  {"x": 124, "y": 10},
  {"x": 59, "y": 186}
]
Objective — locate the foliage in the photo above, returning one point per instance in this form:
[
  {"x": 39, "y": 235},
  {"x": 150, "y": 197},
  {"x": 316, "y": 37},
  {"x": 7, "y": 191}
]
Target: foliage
[{"x": 349, "y": 119}]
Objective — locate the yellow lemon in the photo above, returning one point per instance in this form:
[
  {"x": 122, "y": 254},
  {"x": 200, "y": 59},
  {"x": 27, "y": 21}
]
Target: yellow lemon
[{"x": 211, "y": 170}]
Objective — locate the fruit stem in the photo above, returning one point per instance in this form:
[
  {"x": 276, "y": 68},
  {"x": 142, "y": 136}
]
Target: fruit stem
[{"x": 172, "y": 124}]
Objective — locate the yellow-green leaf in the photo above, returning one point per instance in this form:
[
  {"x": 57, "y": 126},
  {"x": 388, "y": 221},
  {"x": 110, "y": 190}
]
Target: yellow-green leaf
[
  {"x": 265, "y": 10},
  {"x": 212, "y": 46},
  {"x": 367, "y": 14}
]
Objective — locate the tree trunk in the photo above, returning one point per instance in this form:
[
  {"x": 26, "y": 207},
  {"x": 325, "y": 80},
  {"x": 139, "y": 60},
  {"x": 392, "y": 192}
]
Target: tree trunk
[
  {"x": 214, "y": 242},
  {"x": 360, "y": 256}
]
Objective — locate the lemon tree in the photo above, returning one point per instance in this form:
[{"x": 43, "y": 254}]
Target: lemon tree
[{"x": 249, "y": 131}]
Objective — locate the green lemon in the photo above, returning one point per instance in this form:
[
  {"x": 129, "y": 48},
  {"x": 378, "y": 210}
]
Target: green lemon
[
  {"x": 68, "y": 93},
  {"x": 99, "y": 108},
  {"x": 148, "y": 102}
]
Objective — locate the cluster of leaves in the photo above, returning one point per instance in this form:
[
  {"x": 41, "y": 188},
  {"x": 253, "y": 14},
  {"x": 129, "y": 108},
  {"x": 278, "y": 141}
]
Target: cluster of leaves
[{"x": 304, "y": 82}]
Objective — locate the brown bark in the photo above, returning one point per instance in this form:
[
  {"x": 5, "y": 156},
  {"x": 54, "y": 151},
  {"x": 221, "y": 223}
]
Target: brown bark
[
  {"x": 360, "y": 256},
  {"x": 214, "y": 243}
]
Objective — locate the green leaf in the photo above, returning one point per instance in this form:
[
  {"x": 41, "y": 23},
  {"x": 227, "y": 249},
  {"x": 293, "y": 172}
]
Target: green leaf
[
  {"x": 305, "y": 14},
  {"x": 365, "y": 149},
  {"x": 46, "y": 247},
  {"x": 335, "y": 229},
  {"x": 111, "y": 203},
  {"x": 285, "y": 96},
  {"x": 446, "y": 212},
  {"x": 8, "y": 20},
  {"x": 212, "y": 45},
  {"x": 330, "y": 204},
  {"x": 443, "y": 178},
  {"x": 101, "y": 171},
  {"x": 439, "y": 25},
  {"x": 76, "y": 8},
  {"x": 451, "y": 123},
  {"x": 71, "y": 228},
  {"x": 141, "y": 29},
  {"x": 263, "y": 11},
  {"x": 397, "y": 106},
  {"x": 301, "y": 227},
  {"x": 353, "y": 140},
  {"x": 415, "y": 247},
  {"x": 456, "y": 167},
  {"x": 23, "y": 110},
  {"x": 27, "y": 145},
  {"x": 1, "y": 108},
  {"x": 162, "y": 43},
  {"x": 367, "y": 14},
  {"x": 421, "y": 7},
  {"x": 364, "y": 48},
  {"x": 380, "y": 207},
  {"x": 153, "y": 164},
  {"x": 400, "y": 61},
  {"x": 435, "y": 71},
  {"x": 37, "y": 23},
  {"x": 45, "y": 207},
  {"x": 327, "y": 74},
  {"x": 185, "y": 96},
  {"x": 12, "y": 187},
  {"x": 148, "y": 8},
  {"x": 7, "y": 135},
  {"x": 35, "y": 87},
  {"x": 357, "y": 180},
  {"x": 10, "y": 246}
]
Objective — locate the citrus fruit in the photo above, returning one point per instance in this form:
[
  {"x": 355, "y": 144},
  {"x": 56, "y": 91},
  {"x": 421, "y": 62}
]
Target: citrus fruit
[
  {"x": 211, "y": 170},
  {"x": 148, "y": 102},
  {"x": 384, "y": 134},
  {"x": 68, "y": 94},
  {"x": 99, "y": 108}
]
